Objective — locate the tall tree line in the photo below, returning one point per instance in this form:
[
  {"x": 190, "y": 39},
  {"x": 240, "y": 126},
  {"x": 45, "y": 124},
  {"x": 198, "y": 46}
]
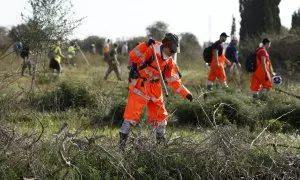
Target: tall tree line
[
  {"x": 296, "y": 20},
  {"x": 258, "y": 16}
]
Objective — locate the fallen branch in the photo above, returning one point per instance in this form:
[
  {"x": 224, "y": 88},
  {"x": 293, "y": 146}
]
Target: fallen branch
[
  {"x": 268, "y": 126},
  {"x": 69, "y": 164},
  {"x": 40, "y": 136},
  {"x": 283, "y": 145},
  {"x": 215, "y": 112}
]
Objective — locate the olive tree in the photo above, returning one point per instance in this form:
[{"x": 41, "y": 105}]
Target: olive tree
[{"x": 46, "y": 22}]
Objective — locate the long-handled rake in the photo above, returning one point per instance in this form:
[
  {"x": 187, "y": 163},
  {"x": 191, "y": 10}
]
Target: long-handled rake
[
  {"x": 160, "y": 73},
  {"x": 84, "y": 57},
  {"x": 287, "y": 93}
]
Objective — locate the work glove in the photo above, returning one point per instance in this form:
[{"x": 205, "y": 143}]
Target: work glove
[
  {"x": 189, "y": 97},
  {"x": 150, "y": 42},
  {"x": 274, "y": 74}
]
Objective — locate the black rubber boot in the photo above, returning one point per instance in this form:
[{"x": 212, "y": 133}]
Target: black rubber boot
[
  {"x": 23, "y": 71},
  {"x": 122, "y": 143},
  {"x": 30, "y": 69},
  {"x": 209, "y": 87},
  {"x": 160, "y": 138}
]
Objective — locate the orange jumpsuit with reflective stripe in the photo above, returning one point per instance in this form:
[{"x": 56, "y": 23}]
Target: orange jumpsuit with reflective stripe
[
  {"x": 147, "y": 90},
  {"x": 259, "y": 76},
  {"x": 218, "y": 72},
  {"x": 105, "y": 49}
]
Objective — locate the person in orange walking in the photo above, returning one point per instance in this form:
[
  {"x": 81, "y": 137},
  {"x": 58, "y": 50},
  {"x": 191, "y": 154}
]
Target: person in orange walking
[
  {"x": 262, "y": 75},
  {"x": 106, "y": 50},
  {"x": 217, "y": 64},
  {"x": 145, "y": 88}
]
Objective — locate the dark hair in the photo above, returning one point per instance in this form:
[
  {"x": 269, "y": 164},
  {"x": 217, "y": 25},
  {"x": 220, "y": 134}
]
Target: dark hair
[
  {"x": 265, "y": 41},
  {"x": 171, "y": 41}
]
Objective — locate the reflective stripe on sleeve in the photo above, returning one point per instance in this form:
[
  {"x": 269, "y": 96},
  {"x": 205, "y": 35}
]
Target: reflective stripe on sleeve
[
  {"x": 149, "y": 72},
  {"x": 131, "y": 122},
  {"x": 180, "y": 89},
  {"x": 174, "y": 78},
  {"x": 141, "y": 55}
]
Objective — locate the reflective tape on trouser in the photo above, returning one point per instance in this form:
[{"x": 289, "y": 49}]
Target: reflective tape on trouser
[
  {"x": 161, "y": 123},
  {"x": 138, "y": 92},
  {"x": 209, "y": 82},
  {"x": 125, "y": 128}
]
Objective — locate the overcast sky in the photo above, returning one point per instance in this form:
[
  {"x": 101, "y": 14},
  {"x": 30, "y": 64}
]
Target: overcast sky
[{"x": 127, "y": 18}]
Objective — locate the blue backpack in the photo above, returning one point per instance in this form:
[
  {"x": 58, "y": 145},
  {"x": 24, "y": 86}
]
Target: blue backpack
[{"x": 250, "y": 64}]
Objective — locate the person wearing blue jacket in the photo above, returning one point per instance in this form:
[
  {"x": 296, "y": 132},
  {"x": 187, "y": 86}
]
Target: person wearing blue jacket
[
  {"x": 232, "y": 51},
  {"x": 231, "y": 54}
]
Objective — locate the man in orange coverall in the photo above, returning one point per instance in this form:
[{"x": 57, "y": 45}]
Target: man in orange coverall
[
  {"x": 217, "y": 64},
  {"x": 145, "y": 88},
  {"x": 261, "y": 77}
]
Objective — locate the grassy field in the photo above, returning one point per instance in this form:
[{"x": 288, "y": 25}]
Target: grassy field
[{"x": 68, "y": 128}]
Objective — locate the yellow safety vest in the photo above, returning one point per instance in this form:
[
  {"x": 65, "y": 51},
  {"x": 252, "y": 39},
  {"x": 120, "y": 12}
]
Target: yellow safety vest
[
  {"x": 71, "y": 49},
  {"x": 56, "y": 52},
  {"x": 71, "y": 52}
]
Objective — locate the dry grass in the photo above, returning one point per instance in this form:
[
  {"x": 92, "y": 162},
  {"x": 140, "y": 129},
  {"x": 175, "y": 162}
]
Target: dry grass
[{"x": 38, "y": 144}]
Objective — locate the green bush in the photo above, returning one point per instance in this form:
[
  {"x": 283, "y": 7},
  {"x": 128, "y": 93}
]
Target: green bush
[
  {"x": 67, "y": 95},
  {"x": 114, "y": 117},
  {"x": 282, "y": 106},
  {"x": 191, "y": 113},
  {"x": 44, "y": 80},
  {"x": 217, "y": 108},
  {"x": 275, "y": 125}
]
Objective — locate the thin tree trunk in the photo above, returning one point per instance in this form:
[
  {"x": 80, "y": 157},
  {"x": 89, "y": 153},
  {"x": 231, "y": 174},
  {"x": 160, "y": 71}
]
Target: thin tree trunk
[{"x": 33, "y": 79}]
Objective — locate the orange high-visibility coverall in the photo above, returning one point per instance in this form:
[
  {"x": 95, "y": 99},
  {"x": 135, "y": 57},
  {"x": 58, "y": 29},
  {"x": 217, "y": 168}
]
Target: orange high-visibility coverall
[
  {"x": 259, "y": 76},
  {"x": 147, "y": 89},
  {"x": 218, "y": 72}
]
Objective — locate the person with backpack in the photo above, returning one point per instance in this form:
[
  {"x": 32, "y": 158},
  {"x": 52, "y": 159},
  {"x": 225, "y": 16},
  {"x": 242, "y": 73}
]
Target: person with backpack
[
  {"x": 262, "y": 70},
  {"x": 55, "y": 58},
  {"x": 145, "y": 88},
  {"x": 217, "y": 63},
  {"x": 131, "y": 68},
  {"x": 113, "y": 63},
  {"x": 26, "y": 61}
]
